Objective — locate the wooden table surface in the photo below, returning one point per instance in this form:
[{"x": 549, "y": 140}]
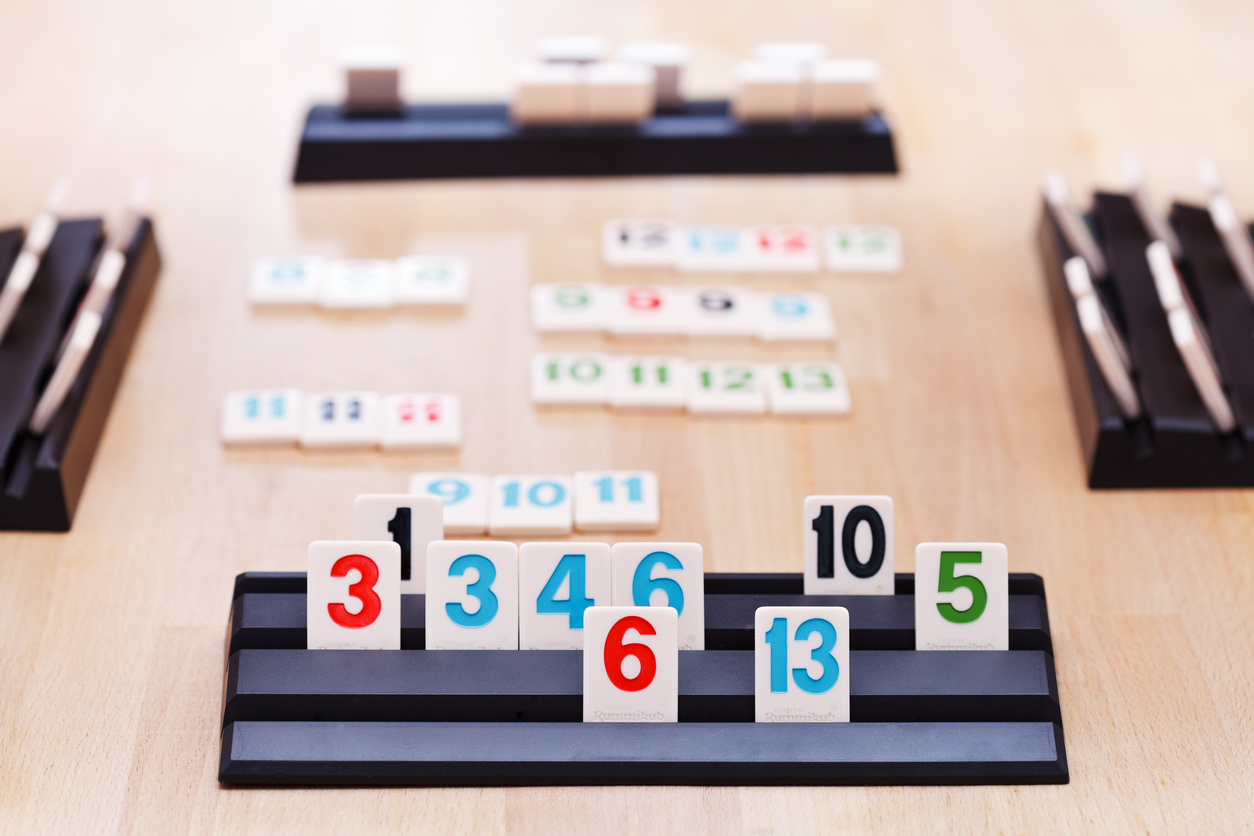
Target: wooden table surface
[{"x": 111, "y": 658}]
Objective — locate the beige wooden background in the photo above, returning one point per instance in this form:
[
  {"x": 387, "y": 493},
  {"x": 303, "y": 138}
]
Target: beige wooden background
[{"x": 111, "y": 636}]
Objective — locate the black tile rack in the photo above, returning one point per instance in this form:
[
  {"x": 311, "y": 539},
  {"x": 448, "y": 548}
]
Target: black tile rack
[
  {"x": 1174, "y": 444},
  {"x": 446, "y": 141},
  {"x": 487, "y": 718},
  {"x": 43, "y": 476}
]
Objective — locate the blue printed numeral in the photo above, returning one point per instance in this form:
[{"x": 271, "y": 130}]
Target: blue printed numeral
[
  {"x": 481, "y": 589},
  {"x": 789, "y": 306},
  {"x": 715, "y": 241},
  {"x": 450, "y": 491},
  {"x": 253, "y": 408},
  {"x": 541, "y": 494},
  {"x": 573, "y": 566},
  {"x": 633, "y": 484},
  {"x": 777, "y": 639},
  {"x": 643, "y": 586},
  {"x": 287, "y": 272}
]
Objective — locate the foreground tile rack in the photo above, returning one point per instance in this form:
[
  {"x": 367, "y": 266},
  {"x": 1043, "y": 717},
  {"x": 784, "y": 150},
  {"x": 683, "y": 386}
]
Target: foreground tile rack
[
  {"x": 1174, "y": 444},
  {"x": 43, "y": 476},
  {"x": 443, "y": 141},
  {"x": 492, "y": 718}
]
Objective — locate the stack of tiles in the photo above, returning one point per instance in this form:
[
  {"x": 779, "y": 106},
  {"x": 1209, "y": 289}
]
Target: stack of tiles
[
  {"x": 571, "y": 82},
  {"x": 790, "y": 81},
  {"x": 372, "y": 80}
]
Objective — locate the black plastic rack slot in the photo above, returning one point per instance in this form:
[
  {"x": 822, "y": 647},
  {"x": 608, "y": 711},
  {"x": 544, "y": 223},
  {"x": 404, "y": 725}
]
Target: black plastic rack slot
[
  {"x": 416, "y": 717},
  {"x": 1174, "y": 444},
  {"x": 450, "y": 141},
  {"x": 43, "y": 476}
]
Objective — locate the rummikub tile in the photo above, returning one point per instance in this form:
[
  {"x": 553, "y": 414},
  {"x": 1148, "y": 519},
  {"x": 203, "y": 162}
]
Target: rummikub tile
[
  {"x": 726, "y": 388},
  {"x": 801, "y": 665},
  {"x": 431, "y": 280},
  {"x": 465, "y": 498},
  {"x": 358, "y": 284},
  {"x": 664, "y": 575},
  {"x": 618, "y": 92},
  {"x": 286, "y": 281},
  {"x": 409, "y": 521},
  {"x": 725, "y": 249},
  {"x": 547, "y": 93},
  {"x": 373, "y": 78},
  {"x": 630, "y": 665},
  {"x": 529, "y": 504},
  {"x": 572, "y": 49},
  {"x": 353, "y": 595},
  {"x": 769, "y": 91},
  {"x": 847, "y": 545},
  {"x": 796, "y": 317},
  {"x": 863, "y": 248},
  {"x": 570, "y": 379},
  {"x": 961, "y": 596},
  {"x": 341, "y": 419},
  {"x": 668, "y": 59},
  {"x": 421, "y": 421},
  {"x": 807, "y": 389},
  {"x": 641, "y": 243},
  {"x": 649, "y": 383},
  {"x": 843, "y": 89},
  {"x": 804, "y": 53},
  {"x": 616, "y": 500},
  {"x": 264, "y": 416},
  {"x": 721, "y": 312},
  {"x": 557, "y": 585},
  {"x": 569, "y": 308},
  {"x": 647, "y": 311},
  {"x": 784, "y": 249},
  {"x": 472, "y": 595}
]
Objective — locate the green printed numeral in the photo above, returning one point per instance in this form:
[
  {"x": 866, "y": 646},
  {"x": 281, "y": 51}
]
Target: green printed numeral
[{"x": 950, "y": 583}]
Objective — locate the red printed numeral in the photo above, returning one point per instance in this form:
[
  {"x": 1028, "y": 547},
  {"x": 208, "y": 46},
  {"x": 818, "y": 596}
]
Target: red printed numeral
[
  {"x": 787, "y": 240},
  {"x": 409, "y": 412},
  {"x": 363, "y": 591},
  {"x": 616, "y": 652},
  {"x": 643, "y": 299}
]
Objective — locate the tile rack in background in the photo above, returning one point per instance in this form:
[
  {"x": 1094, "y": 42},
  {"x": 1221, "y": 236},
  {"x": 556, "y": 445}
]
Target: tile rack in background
[
  {"x": 448, "y": 141},
  {"x": 1174, "y": 444},
  {"x": 43, "y": 476}
]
